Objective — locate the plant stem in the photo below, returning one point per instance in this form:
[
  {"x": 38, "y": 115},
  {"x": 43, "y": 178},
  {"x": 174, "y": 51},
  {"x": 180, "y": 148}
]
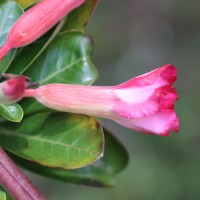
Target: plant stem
[{"x": 15, "y": 182}]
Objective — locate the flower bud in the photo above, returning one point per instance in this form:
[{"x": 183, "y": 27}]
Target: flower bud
[
  {"x": 144, "y": 103},
  {"x": 12, "y": 90},
  {"x": 36, "y": 21}
]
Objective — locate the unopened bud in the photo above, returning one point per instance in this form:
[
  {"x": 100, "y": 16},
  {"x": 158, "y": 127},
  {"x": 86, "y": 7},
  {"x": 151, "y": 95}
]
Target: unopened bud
[
  {"x": 12, "y": 90},
  {"x": 36, "y": 21}
]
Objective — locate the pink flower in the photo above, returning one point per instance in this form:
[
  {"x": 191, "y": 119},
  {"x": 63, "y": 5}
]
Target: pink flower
[
  {"x": 36, "y": 21},
  {"x": 144, "y": 103}
]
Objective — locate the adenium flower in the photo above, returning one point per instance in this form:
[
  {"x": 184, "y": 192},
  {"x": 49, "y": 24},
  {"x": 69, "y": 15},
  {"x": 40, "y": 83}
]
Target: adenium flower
[
  {"x": 144, "y": 103},
  {"x": 36, "y": 21}
]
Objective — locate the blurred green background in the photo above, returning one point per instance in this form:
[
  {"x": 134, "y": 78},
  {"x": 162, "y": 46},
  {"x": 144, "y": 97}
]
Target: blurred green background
[{"x": 133, "y": 37}]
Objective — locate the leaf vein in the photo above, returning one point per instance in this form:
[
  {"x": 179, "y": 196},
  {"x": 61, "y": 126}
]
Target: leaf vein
[
  {"x": 14, "y": 134},
  {"x": 56, "y": 73}
]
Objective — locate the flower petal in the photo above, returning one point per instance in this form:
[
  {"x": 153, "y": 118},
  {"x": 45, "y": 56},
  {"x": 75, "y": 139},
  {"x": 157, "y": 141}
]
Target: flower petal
[
  {"x": 166, "y": 73},
  {"x": 167, "y": 95},
  {"x": 144, "y": 103},
  {"x": 142, "y": 96},
  {"x": 160, "y": 123}
]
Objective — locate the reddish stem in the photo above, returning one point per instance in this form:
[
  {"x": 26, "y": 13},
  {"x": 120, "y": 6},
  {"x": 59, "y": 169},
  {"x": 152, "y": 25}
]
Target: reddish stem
[{"x": 15, "y": 182}]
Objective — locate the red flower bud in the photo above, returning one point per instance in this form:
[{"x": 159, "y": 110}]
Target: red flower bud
[
  {"x": 12, "y": 90},
  {"x": 36, "y": 21}
]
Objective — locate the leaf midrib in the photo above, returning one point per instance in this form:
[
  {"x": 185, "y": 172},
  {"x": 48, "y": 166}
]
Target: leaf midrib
[
  {"x": 15, "y": 134},
  {"x": 64, "y": 68}
]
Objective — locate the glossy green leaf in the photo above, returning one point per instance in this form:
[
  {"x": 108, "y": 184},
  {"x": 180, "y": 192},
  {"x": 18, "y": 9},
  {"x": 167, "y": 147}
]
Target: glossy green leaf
[
  {"x": 67, "y": 59},
  {"x": 3, "y": 195},
  {"x": 26, "y": 3},
  {"x": 100, "y": 174},
  {"x": 55, "y": 139},
  {"x": 9, "y": 13},
  {"x": 78, "y": 19},
  {"x": 12, "y": 112}
]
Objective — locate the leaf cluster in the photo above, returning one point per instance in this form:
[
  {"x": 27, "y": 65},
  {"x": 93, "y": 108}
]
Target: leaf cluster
[{"x": 63, "y": 146}]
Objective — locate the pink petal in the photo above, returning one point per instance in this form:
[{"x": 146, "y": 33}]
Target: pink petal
[
  {"x": 142, "y": 96},
  {"x": 167, "y": 96},
  {"x": 168, "y": 73},
  {"x": 160, "y": 123}
]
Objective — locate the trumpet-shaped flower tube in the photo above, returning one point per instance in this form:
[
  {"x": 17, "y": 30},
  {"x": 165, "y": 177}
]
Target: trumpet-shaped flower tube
[
  {"x": 144, "y": 103},
  {"x": 36, "y": 21}
]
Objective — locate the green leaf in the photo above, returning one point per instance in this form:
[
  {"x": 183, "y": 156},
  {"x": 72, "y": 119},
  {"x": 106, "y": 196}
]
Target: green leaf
[
  {"x": 67, "y": 59},
  {"x": 9, "y": 13},
  {"x": 78, "y": 18},
  {"x": 26, "y": 3},
  {"x": 55, "y": 139},
  {"x": 12, "y": 112},
  {"x": 3, "y": 195},
  {"x": 100, "y": 174},
  {"x": 116, "y": 156}
]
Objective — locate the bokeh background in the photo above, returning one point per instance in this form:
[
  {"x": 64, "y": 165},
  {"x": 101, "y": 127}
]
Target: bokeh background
[{"x": 132, "y": 37}]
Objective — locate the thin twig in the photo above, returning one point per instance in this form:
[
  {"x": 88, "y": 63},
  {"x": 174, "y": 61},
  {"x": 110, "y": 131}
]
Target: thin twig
[{"x": 15, "y": 182}]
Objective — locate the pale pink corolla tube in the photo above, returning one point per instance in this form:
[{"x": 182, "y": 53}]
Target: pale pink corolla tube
[{"x": 144, "y": 103}]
